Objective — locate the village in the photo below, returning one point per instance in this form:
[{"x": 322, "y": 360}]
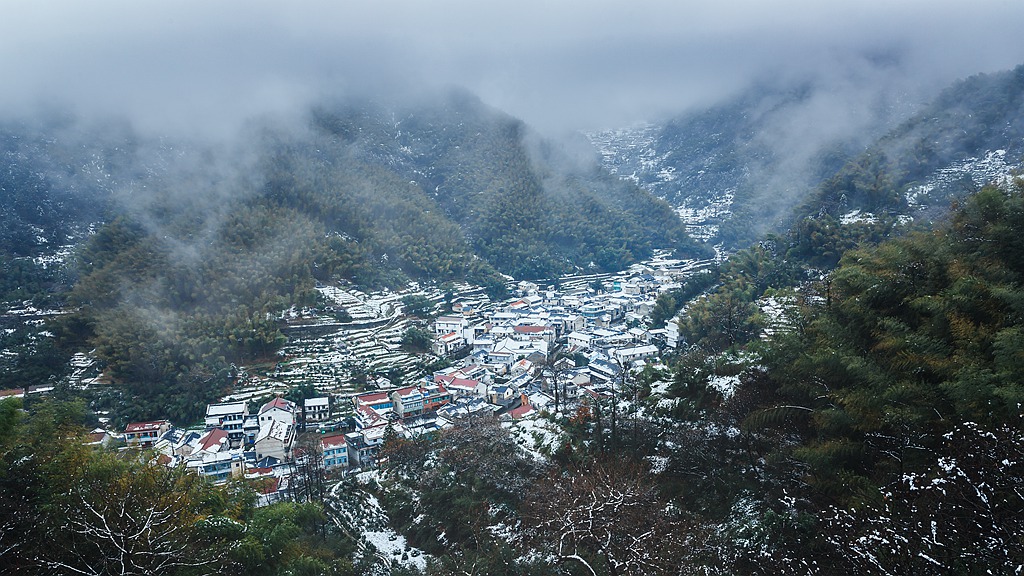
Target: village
[{"x": 543, "y": 351}]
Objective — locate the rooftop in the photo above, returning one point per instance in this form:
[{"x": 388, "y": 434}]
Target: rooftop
[
  {"x": 137, "y": 427},
  {"x": 279, "y": 403},
  {"x": 225, "y": 408},
  {"x": 333, "y": 441}
]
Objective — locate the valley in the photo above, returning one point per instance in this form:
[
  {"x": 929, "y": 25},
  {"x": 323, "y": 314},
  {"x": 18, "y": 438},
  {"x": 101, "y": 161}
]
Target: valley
[{"x": 423, "y": 339}]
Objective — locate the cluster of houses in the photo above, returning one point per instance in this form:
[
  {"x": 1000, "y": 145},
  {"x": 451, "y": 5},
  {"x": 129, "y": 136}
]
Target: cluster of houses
[
  {"x": 515, "y": 341},
  {"x": 235, "y": 442},
  {"x": 514, "y": 360},
  {"x": 609, "y": 321},
  {"x": 510, "y": 361}
]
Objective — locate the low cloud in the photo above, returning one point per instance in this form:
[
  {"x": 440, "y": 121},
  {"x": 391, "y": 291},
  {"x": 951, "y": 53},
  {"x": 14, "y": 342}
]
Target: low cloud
[{"x": 190, "y": 66}]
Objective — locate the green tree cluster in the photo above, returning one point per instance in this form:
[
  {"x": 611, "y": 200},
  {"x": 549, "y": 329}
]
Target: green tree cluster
[{"x": 70, "y": 508}]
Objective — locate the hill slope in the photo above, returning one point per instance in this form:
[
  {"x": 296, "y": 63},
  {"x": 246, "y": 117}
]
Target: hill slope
[
  {"x": 972, "y": 134},
  {"x": 752, "y": 158},
  {"x": 203, "y": 245},
  {"x": 740, "y": 169}
]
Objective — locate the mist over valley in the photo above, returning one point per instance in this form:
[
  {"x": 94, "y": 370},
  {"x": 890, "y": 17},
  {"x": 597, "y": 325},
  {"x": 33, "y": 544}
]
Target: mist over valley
[{"x": 455, "y": 288}]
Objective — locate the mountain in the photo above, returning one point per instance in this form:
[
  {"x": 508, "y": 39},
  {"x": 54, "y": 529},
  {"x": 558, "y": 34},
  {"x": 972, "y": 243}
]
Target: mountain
[
  {"x": 971, "y": 135},
  {"x": 753, "y": 157},
  {"x": 522, "y": 205},
  {"x": 196, "y": 248},
  {"x": 739, "y": 169}
]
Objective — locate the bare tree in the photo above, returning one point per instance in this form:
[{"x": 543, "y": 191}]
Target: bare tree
[
  {"x": 309, "y": 479},
  {"x": 609, "y": 518},
  {"x": 557, "y": 365},
  {"x": 140, "y": 521}
]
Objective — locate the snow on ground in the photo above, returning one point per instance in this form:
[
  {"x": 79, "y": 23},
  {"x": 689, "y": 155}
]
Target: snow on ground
[
  {"x": 992, "y": 167},
  {"x": 321, "y": 350},
  {"x": 858, "y": 217},
  {"x": 56, "y": 259},
  {"x": 698, "y": 218},
  {"x": 356, "y": 510},
  {"x": 658, "y": 464},
  {"x": 538, "y": 437},
  {"x": 660, "y": 388},
  {"x": 393, "y": 546},
  {"x": 780, "y": 313},
  {"x": 28, "y": 309}
]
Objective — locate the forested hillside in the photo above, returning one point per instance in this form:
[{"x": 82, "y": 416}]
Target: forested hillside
[
  {"x": 938, "y": 155},
  {"x": 760, "y": 162},
  {"x": 880, "y": 429},
  {"x": 199, "y": 247},
  {"x": 70, "y": 508},
  {"x": 521, "y": 204}
]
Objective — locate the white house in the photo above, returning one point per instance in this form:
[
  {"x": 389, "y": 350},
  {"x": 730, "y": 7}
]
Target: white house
[
  {"x": 462, "y": 387},
  {"x": 364, "y": 445},
  {"x": 672, "y": 332},
  {"x": 218, "y": 467},
  {"x": 229, "y": 417},
  {"x": 579, "y": 340},
  {"x": 278, "y": 409},
  {"x": 446, "y": 344},
  {"x": 275, "y": 440},
  {"x": 316, "y": 410},
  {"x": 448, "y": 324},
  {"x": 627, "y": 355},
  {"x": 501, "y": 395}
]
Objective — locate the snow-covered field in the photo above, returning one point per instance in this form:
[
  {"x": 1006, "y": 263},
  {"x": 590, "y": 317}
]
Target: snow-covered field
[{"x": 991, "y": 168}]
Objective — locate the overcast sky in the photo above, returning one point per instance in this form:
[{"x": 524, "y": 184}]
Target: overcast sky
[{"x": 179, "y": 64}]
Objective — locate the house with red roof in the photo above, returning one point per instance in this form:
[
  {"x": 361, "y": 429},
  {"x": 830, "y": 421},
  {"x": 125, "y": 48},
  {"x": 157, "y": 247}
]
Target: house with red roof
[
  {"x": 278, "y": 409},
  {"x": 462, "y": 387},
  {"x": 216, "y": 440},
  {"x": 415, "y": 400},
  {"x": 228, "y": 416},
  {"x": 335, "y": 451},
  {"x": 521, "y": 412},
  {"x": 145, "y": 434},
  {"x": 379, "y": 401},
  {"x": 372, "y": 407},
  {"x": 534, "y": 332},
  {"x": 99, "y": 438},
  {"x": 446, "y": 344}
]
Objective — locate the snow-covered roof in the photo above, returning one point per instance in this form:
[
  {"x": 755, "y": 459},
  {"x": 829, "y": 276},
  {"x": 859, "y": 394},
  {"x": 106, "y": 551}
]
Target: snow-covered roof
[
  {"x": 274, "y": 429},
  {"x": 139, "y": 427},
  {"x": 225, "y": 409},
  {"x": 317, "y": 402},
  {"x": 213, "y": 441}
]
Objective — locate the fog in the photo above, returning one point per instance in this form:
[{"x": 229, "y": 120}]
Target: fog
[{"x": 190, "y": 67}]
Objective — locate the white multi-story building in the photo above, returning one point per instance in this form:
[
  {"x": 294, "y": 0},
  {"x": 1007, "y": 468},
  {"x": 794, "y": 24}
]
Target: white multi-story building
[
  {"x": 316, "y": 410},
  {"x": 229, "y": 417},
  {"x": 275, "y": 440},
  {"x": 625, "y": 356},
  {"x": 278, "y": 409}
]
